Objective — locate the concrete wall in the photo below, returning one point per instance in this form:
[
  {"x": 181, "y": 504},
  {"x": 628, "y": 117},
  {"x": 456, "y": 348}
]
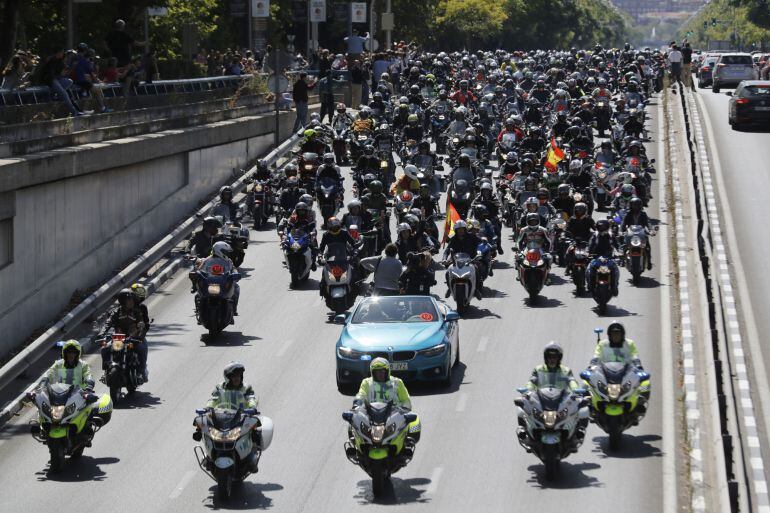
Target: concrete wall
[{"x": 77, "y": 216}]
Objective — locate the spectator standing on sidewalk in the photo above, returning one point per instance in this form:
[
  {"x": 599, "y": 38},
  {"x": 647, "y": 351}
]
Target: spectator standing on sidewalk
[
  {"x": 356, "y": 45},
  {"x": 687, "y": 65},
  {"x": 675, "y": 64},
  {"x": 120, "y": 42},
  {"x": 366, "y": 79},
  {"x": 300, "y": 97}
]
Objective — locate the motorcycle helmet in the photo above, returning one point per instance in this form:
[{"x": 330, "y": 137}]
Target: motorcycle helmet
[
  {"x": 486, "y": 186},
  {"x": 377, "y": 97},
  {"x": 139, "y": 292},
  {"x": 210, "y": 222},
  {"x": 233, "y": 368},
  {"x": 124, "y": 295},
  {"x": 413, "y": 221},
  {"x": 635, "y": 204},
  {"x": 225, "y": 190},
  {"x": 425, "y": 188},
  {"x": 411, "y": 172},
  {"x": 626, "y": 191},
  {"x": 329, "y": 159},
  {"x": 464, "y": 161},
  {"x": 307, "y": 199},
  {"x": 290, "y": 170},
  {"x": 423, "y": 146},
  {"x": 543, "y": 196},
  {"x": 354, "y": 204},
  {"x": 553, "y": 349},
  {"x": 369, "y": 150},
  {"x": 442, "y": 94},
  {"x": 575, "y": 165},
  {"x": 403, "y": 227},
  {"x": 292, "y": 183},
  {"x": 222, "y": 249},
  {"x": 380, "y": 370},
  {"x": 616, "y": 333},
  {"x": 334, "y": 225},
  {"x": 310, "y": 134},
  {"x": 341, "y": 107},
  {"x": 71, "y": 346},
  {"x": 511, "y": 157},
  {"x": 533, "y": 219},
  {"x": 529, "y": 183},
  {"x": 602, "y": 225},
  {"x": 606, "y": 145},
  {"x": 363, "y": 113},
  {"x": 481, "y": 211},
  {"x": 580, "y": 210},
  {"x": 412, "y": 119},
  {"x": 562, "y": 190},
  {"x": 375, "y": 187},
  {"x": 460, "y": 225}
]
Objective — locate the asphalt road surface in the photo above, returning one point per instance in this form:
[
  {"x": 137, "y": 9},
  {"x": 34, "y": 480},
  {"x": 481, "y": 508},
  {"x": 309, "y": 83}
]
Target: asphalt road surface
[{"x": 467, "y": 460}]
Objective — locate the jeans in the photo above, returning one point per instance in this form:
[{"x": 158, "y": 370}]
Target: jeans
[
  {"x": 60, "y": 85},
  {"x": 301, "y": 120},
  {"x": 676, "y": 71}
]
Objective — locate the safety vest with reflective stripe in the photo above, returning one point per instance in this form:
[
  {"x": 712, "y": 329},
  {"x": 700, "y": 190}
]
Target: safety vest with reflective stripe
[
  {"x": 543, "y": 377},
  {"x": 390, "y": 390},
  {"x": 234, "y": 398},
  {"x": 79, "y": 375},
  {"x": 626, "y": 353}
]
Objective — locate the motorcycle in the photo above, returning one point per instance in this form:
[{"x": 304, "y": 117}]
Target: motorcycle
[
  {"x": 237, "y": 235},
  {"x": 213, "y": 298},
  {"x": 551, "y": 417},
  {"x": 358, "y": 141},
  {"x": 329, "y": 193},
  {"x": 339, "y": 143},
  {"x": 462, "y": 280},
  {"x": 308, "y": 166},
  {"x": 381, "y": 440},
  {"x": 603, "y": 114},
  {"x": 338, "y": 284},
  {"x": 229, "y": 437},
  {"x": 460, "y": 197},
  {"x": 261, "y": 203},
  {"x": 439, "y": 121},
  {"x": 67, "y": 420},
  {"x": 404, "y": 202},
  {"x": 298, "y": 256},
  {"x": 580, "y": 258},
  {"x": 124, "y": 369},
  {"x": 601, "y": 288},
  {"x": 533, "y": 271},
  {"x": 635, "y": 254}
]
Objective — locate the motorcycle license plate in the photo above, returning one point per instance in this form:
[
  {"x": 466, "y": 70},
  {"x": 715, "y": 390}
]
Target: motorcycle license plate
[
  {"x": 399, "y": 366},
  {"x": 550, "y": 438}
]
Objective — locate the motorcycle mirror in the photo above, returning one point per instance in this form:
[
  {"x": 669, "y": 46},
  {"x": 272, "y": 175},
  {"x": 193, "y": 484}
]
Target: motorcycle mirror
[
  {"x": 197, "y": 436},
  {"x": 652, "y": 161},
  {"x": 598, "y": 331},
  {"x": 580, "y": 391},
  {"x": 250, "y": 411},
  {"x": 519, "y": 402},
  {"x": 522, "y": 390},
  {"x": 340, "y": 319},
  {"x": 347, "y": 416},
  {"x": 200, "y": 411},
  {"x": 586, "y": 375},
  {"x": 92, "y": 398},
  {"x": 410, "y": 417},
  {"x": 644, "y": 376},
  {"x": 729, "y": 93}
]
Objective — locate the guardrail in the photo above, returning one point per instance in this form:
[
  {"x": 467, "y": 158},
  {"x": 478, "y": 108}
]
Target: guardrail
[{"x": 106, "y": 293}]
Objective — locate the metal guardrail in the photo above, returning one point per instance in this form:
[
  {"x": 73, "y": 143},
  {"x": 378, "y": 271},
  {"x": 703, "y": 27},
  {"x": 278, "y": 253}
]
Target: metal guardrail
[{"x": 106, "y": 293}]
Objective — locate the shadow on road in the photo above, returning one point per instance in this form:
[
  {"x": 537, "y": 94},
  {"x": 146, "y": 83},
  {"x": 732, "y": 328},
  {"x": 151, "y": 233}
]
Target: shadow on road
[
  {"x": 80, "y": 470},
  {"x": 423, "y": 388},
  {"x": 542, "y": 302},
  {"x": 397, "y": 491},
  {"x": 228, "y": 338},
  {"x": 630, "y": 447},
  {"x": 474, "y": 312},
  {"x": 571, "y": 476},
  {"x": 614, "y": 311},
  {"x": 245, "y": 495},
  {"x": 138, "y": 400},
  {"x": 10, "y": 431}
]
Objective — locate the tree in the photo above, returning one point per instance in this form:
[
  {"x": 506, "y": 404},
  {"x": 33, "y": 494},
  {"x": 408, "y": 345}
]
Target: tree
[{"x": 470, "y": 23}]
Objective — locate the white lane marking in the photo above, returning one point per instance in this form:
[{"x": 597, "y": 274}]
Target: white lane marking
[
  {"x": 284, "y": 347},
  {"x": 186, "y": 478},
  {"x": 462, "y": 401},
  {"x": 482, "y": 344},
  {"x": 667, "y": 376},
  {"x": 434, "y": 480}
]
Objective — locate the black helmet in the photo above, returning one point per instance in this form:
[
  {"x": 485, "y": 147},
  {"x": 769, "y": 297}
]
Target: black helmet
[
  {"x": 124, "y": 295},
  {"x": 226, "y": 190},
  {"x": 553, "y": 349},
  {"x": 369, "y": 149},
  {"x": 580, "y": 208},
  {"x": 562, "y": 189},
  {"x": 602, "y": 225},
  {"x": 415, "y": 89},
  {"x": 616, "y": 327},
  {"x": 375, "y": 187},
  {"x": 635, "y": 204}
]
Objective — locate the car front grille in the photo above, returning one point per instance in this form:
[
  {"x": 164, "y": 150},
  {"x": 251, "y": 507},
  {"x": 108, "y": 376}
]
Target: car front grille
[{"x": 397, "y": 356}]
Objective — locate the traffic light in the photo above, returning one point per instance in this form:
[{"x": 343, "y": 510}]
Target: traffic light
[
  {"x": 713, "y": 22},
  {"x": 705, "y": 25}
]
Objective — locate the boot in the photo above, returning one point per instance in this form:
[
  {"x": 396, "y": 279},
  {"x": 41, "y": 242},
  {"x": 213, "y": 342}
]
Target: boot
[
  {"x": 479, "y": 295},
  {"x": 447, "y": 293}
]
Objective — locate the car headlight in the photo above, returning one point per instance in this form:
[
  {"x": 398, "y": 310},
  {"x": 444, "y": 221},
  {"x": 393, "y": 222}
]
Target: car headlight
[
  {"x": 214, "y": 289},
  {"x": 225, "y": 436},
  {"x": 346, "y": 352},
  {"x": 433, "y": 351},
  {"x": 57, "y": 413}
]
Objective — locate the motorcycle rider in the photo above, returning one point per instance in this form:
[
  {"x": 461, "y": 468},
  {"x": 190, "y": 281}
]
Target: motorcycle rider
[
  {"x": 368, "y": 161},
  {"x": 363, "y": 122},
  {"x": 312, "y": 143},
  {"x": 580, "y": 227},
  {"x": 234, "y": 394},
  {"x": 560, "y": 126},
  {"x": 413, "y": 129},
  {"x": 564, "y": 202},
  {"x": 602, "y": 244},
  {"x": 407, "y": 241},
  {"x": 127, "y": 318},
  {"x": 617, "y": 348},
  {"x": 140, "y": 293},
  {"x": 510, "y": 128},
  {"x": 424, "y": 201},
  {"x": 551, "y": 373},
  {"x": 491, "y": 204},
  {"x": 70, "y": 369},
  {"x": 606, "y": 155},
  {"x": 418, "y": 277},
  {"x": 226, "y": 208},
  {"x": 220, "y": 255},
  {"x": 463, "y": 96},
  {"x": 535, "y": 234},
  {"x": 622, "y": 199},
  {"x": 375, "y": 199},
  {"x": 201, "y": 243},
  {"x": 356, "y": 215},
  {"x": 300, "y": 219},
  {"x": 462, "y": 242},
  {"x": 343, "y": 116},
  {"x": 637, "y": 216},
  {"x": 387, "y": 270}
]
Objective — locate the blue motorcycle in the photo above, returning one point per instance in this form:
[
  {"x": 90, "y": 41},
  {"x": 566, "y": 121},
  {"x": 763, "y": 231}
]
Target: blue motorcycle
[
  {"x": 214, "y": 296},
  {"x": 298, "y": 256}
]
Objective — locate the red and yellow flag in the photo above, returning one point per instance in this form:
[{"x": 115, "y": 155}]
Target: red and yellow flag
[
  {"x": 451, "y": 218},
  {"x": 555, "y": 155}
]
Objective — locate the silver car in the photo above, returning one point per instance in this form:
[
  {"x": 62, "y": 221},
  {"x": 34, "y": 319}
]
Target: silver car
[{"x": 731, "y": 69}]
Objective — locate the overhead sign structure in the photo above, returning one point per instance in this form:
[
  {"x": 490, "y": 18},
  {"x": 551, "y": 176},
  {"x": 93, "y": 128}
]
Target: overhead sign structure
[
  {"x": 358, "y": 12},
  {"x": 317, "y": 11},
  {"x": 260, "y": 8}
]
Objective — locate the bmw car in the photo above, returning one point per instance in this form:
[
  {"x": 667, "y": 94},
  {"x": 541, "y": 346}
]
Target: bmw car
[{"x": 419, "y": 336}]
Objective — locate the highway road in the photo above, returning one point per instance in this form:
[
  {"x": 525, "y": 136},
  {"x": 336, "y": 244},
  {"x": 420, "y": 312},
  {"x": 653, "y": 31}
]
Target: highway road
[{"x": 468, "y": 458}]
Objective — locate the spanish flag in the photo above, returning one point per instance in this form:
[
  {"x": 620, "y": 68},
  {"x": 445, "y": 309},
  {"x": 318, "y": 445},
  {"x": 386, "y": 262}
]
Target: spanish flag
[
  {"x": 555, "y": 155},
  {"x": 451, "y": 218}
]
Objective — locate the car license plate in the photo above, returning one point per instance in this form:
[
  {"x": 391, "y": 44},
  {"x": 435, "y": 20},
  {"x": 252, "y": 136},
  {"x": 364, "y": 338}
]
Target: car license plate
[
  {"x": 763, "y": 109},
  {"x": 399, "y": 366}
]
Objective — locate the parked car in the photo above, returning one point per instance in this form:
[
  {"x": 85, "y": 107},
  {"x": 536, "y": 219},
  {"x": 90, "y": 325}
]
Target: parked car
[
  {"x": 750, "y": 103},
  {"x": 731, "y": 69}
]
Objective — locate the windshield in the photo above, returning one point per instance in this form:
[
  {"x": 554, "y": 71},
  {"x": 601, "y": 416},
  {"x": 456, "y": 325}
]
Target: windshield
[
  {"x": 744, "y": 60},
  {"x": 757, "y": 90},
  {"x": 336, "y": 252},
  {"x": 395, "y": 309}
]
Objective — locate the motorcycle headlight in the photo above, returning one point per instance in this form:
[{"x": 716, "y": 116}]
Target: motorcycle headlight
[
  {"x": 613, "y": 391},
  {"x": 549, "y": 419},
  {"x": 69, "y": 410},
  {"x": 308, "y": 167},
  {"x": 117, "y": 345},
  {"x": 604, "y": 270},
  {"x": 636, "y": 241},
  {"x": 214, "y": 289},
  {"x": 225, "y": 436},
  {"x": 258, "y": 188},
  {"x": 296, "y": 246},
  {"x": 377, "y": 433},
  {"x": 433, "y": 351},
  {"x": 57, "y": 413}
]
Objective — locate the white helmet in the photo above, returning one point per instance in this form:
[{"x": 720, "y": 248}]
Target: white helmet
[
  {"x": 411, "y": 172},
  {"x": 221, "y": 249}
]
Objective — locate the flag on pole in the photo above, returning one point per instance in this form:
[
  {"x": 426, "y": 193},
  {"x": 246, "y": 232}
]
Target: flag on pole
[
  {"x": 451, "y": 218},
  {"x": 555, "y": 155}
]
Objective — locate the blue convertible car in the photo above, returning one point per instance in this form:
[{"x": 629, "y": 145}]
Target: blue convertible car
[{"x": 417, "y": 334}]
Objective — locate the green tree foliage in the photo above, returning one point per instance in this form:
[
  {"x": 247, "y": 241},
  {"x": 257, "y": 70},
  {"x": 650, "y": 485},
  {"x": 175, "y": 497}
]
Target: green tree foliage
[
  {"x": 731, "y": 21},
  {"x": 470, "y": 23}
]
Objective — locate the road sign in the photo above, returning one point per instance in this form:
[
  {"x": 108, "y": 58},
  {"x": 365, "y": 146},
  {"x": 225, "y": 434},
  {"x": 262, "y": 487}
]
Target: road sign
[
  {"x": 371, "y": 42},
  {"x": 157, "y": 11},
  {"x": 358, "y": 12},
  {"x": 317, "y": 11},
  {"x": 260, "y": 8}
]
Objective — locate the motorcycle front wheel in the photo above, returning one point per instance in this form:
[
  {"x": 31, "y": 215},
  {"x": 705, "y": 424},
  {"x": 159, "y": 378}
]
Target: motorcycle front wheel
[
  {"x": 56, "y": 449},
  {"x": 224, "y": 486},
  {"x": 551, "y": 461},
  {"x": 379, "y": 479}
]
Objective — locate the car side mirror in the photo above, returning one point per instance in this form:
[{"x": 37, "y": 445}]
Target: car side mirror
[
  {"x": 347, "y": 416},
  {"x": 452, "y": 316},
  {"x": 340, "y": 319},
  {"x": 410, "y": 417},
  {"x": 729, "y": 93}
]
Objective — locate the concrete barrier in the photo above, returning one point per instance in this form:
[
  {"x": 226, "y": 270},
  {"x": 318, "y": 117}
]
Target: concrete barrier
[{"x": 70, "y": 217}]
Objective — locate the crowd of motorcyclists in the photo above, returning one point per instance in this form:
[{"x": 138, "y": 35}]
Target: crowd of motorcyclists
[{"x": 535, "y": 142}]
